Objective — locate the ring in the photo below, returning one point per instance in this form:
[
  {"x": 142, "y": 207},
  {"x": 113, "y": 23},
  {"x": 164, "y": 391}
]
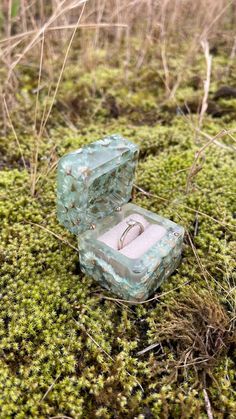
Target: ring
[{"x": 131, "y": 223}]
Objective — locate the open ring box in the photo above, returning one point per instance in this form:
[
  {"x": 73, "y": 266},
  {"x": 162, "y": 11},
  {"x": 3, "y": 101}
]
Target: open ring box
[{"x": 94, "y": 186}]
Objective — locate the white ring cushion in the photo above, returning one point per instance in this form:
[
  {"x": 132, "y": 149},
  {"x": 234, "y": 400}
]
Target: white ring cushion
[{"x": 135, "y": 244}]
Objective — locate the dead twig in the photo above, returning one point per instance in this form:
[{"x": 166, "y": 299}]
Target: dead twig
[
  {"x": 207, "y": 404},
  {"x": 149, "y": 348},
  {"x": 156, "y": 297},
  {"x": 50, "y": 388}
]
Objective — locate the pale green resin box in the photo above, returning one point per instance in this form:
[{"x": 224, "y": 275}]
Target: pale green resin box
[{"x": 124, "y": 247}]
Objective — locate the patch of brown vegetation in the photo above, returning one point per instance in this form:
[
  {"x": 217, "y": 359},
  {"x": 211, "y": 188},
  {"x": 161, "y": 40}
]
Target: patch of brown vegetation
[{"x": 199, "y": 329}]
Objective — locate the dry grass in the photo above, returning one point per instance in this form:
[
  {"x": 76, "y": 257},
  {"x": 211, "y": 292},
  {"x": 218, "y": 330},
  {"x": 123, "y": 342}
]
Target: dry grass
[
  {"x": 199, "y": 329},
  {"x": 155, "y": 24}
]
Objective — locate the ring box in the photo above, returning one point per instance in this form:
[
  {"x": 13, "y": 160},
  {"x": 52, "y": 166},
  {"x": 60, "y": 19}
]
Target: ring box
[{"x": 94, "y": 186}]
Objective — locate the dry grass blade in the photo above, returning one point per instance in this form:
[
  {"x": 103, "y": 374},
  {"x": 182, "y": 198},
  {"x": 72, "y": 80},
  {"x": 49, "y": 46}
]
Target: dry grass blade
[
  {"x": 60, "y": 417},
  {"x": 37, "y": 138},
  {"x": 220, "y": 135},
  {"x": 208, "y": 58},
  {"x": 196, "y": 211},
  {"x": 35, "y": 38},
  {"x": 62, "y": 8},
  {"x": 203, "y": 270},
  {"x": 215, "y": 19},
  {"x": 27, "y": 34},
  {"x": 50, "y": 388},
  {"x": 200, "y": 328},
  {"x": 81, "y": 326},
  {"x": 62, "y": 68},
  {"x": 200, "y": 153},
  {"x": 14, "y": 132},
  {"x": 39, "y": 81},
  {"x": 156, "y": 297},
  {"x": 53, "y": 234}
]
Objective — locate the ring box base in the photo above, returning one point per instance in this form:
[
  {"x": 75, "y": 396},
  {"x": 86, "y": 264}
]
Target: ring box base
[{"x": 131, "y": 279}]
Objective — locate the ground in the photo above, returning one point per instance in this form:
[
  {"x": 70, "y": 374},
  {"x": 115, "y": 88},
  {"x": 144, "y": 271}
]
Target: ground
[{"x": 70, "y": 349}]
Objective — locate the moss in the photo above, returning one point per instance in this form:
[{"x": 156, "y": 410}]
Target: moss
[{"x": 65, "y": 349}]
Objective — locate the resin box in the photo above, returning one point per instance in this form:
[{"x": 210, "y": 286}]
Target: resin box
[{"x": 94, "y": 187}]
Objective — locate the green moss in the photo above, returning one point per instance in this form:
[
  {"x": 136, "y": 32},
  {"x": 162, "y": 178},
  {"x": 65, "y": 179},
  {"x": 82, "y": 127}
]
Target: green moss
[{"x": 64, "y": 349}]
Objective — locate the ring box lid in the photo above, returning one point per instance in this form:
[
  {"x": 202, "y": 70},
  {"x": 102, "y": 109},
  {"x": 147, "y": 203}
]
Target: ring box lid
[{"x": 94, "y": 181}]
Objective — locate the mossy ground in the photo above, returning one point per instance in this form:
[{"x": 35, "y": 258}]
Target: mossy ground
[{"x": 65, "y": 350}]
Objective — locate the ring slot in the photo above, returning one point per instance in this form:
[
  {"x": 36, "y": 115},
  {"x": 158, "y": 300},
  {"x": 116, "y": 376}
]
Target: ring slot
[{"x": 144, "y": 242}]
